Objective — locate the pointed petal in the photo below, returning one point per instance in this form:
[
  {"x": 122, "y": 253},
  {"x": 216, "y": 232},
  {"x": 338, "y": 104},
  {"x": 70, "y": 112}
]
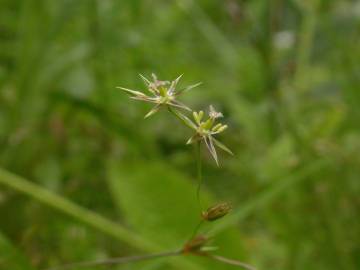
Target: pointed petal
[
  {"x": 154, "y": 77},
  {"x": 173, "y": 85},
  {"x": 193, "y": 139},
  {"x": 175, "y": 82},
  {"x": 178, "y": 78},
  {"x": 211, "y": 148},
  {"x": 152, "y": 111},
  {"x": 222, "y": 146},
  {"x": 133, "y": 92},
  {"x": 146, "y": 80},
  {"x": 183, "y": 118},
  {"x": 179, "y": 104},
  {"x": 188, "y": 88},
  {"x": 149, "y": 85},
  {"x": 146, "y": 99}
]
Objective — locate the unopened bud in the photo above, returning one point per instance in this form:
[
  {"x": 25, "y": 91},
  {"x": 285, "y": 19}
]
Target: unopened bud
[
  {"x": 215, "y": 128},
  {"x": 222, "y": 128},
  {"x": 217, "y": 211},
  {"x": 195, "y": 244},
  {"x": 201, "y": 115},
  {"x": 196, "y": 117},
  {"x": 207, "y": 124}
]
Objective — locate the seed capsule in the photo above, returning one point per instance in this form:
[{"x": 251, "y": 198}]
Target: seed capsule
[{"x": 217, "y": 211}]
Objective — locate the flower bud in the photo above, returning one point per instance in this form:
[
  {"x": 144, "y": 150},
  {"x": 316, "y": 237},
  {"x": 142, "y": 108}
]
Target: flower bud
[
  {"x": 215, "y": 128},
  {"x": 222, "y": 128},
  {"x": 201, "y": 115},
  {"x": 217, "y": 211},
  {"x": 196, "y": 117},
  {"x": 195, "y": 244},
  {"x": 207, "y": 124}
]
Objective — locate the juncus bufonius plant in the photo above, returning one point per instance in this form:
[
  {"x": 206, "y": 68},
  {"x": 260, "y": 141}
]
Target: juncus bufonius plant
[{"x": 165, "y": 94}]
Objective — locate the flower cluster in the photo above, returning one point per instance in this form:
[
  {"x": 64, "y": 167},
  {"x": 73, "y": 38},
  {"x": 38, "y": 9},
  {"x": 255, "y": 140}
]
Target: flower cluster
[{"x": 165, "y": 94}]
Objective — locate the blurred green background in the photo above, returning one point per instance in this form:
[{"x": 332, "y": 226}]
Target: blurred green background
[{"x": 284, "y": 73}]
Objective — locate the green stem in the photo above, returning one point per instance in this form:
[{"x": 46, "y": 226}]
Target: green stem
[
  {"x": 196, "y": 229},
  {"x": 119, "y": 260},
  {"x": 180, "y": 117},
  {"x": 199, "y": 172}
]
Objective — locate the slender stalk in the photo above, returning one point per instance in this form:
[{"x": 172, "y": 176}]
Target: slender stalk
[
  {"x": 180, "y": 117},
  {"x": 119, "y": 260},
  {"x": 199, "y": 172},
  {"x": 231, "y": 261},
  {"x": 196, "y": 229}
]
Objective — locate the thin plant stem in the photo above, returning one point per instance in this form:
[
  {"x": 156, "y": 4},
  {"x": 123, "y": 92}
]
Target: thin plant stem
[
  {"x": 118, "y": 260},
  {"x": 199, "y": 172},
  {"x": 196, "y": 229},
  {"x": 175, "y": 113},
  {"x": 231, "y": 261}
]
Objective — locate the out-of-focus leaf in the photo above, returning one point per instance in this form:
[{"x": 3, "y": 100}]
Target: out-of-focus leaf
[{"x": 160, "y": 204}]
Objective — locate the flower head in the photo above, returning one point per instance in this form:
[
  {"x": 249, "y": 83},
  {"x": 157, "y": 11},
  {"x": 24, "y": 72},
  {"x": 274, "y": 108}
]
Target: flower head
[
  {"x": 162, "y": 93},
  {"x": 205, "y": 131}
]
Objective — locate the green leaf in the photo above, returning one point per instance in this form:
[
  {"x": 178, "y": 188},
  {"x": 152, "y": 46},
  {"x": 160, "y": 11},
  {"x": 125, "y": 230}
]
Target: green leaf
[{"x": 160, "y": 204}]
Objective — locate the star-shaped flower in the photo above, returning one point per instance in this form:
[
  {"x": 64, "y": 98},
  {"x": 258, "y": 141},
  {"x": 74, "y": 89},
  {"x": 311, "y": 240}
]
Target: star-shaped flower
[
  {"x": 205, "y": 131},
  {"x": 163, "y": 93}
]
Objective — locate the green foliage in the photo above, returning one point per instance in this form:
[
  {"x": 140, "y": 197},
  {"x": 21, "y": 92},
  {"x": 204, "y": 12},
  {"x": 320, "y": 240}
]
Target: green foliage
[
  {"x": 285, "y": 74},
  {"x": 11, "y": 258},
  {"x": 164, "y": 210}
]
